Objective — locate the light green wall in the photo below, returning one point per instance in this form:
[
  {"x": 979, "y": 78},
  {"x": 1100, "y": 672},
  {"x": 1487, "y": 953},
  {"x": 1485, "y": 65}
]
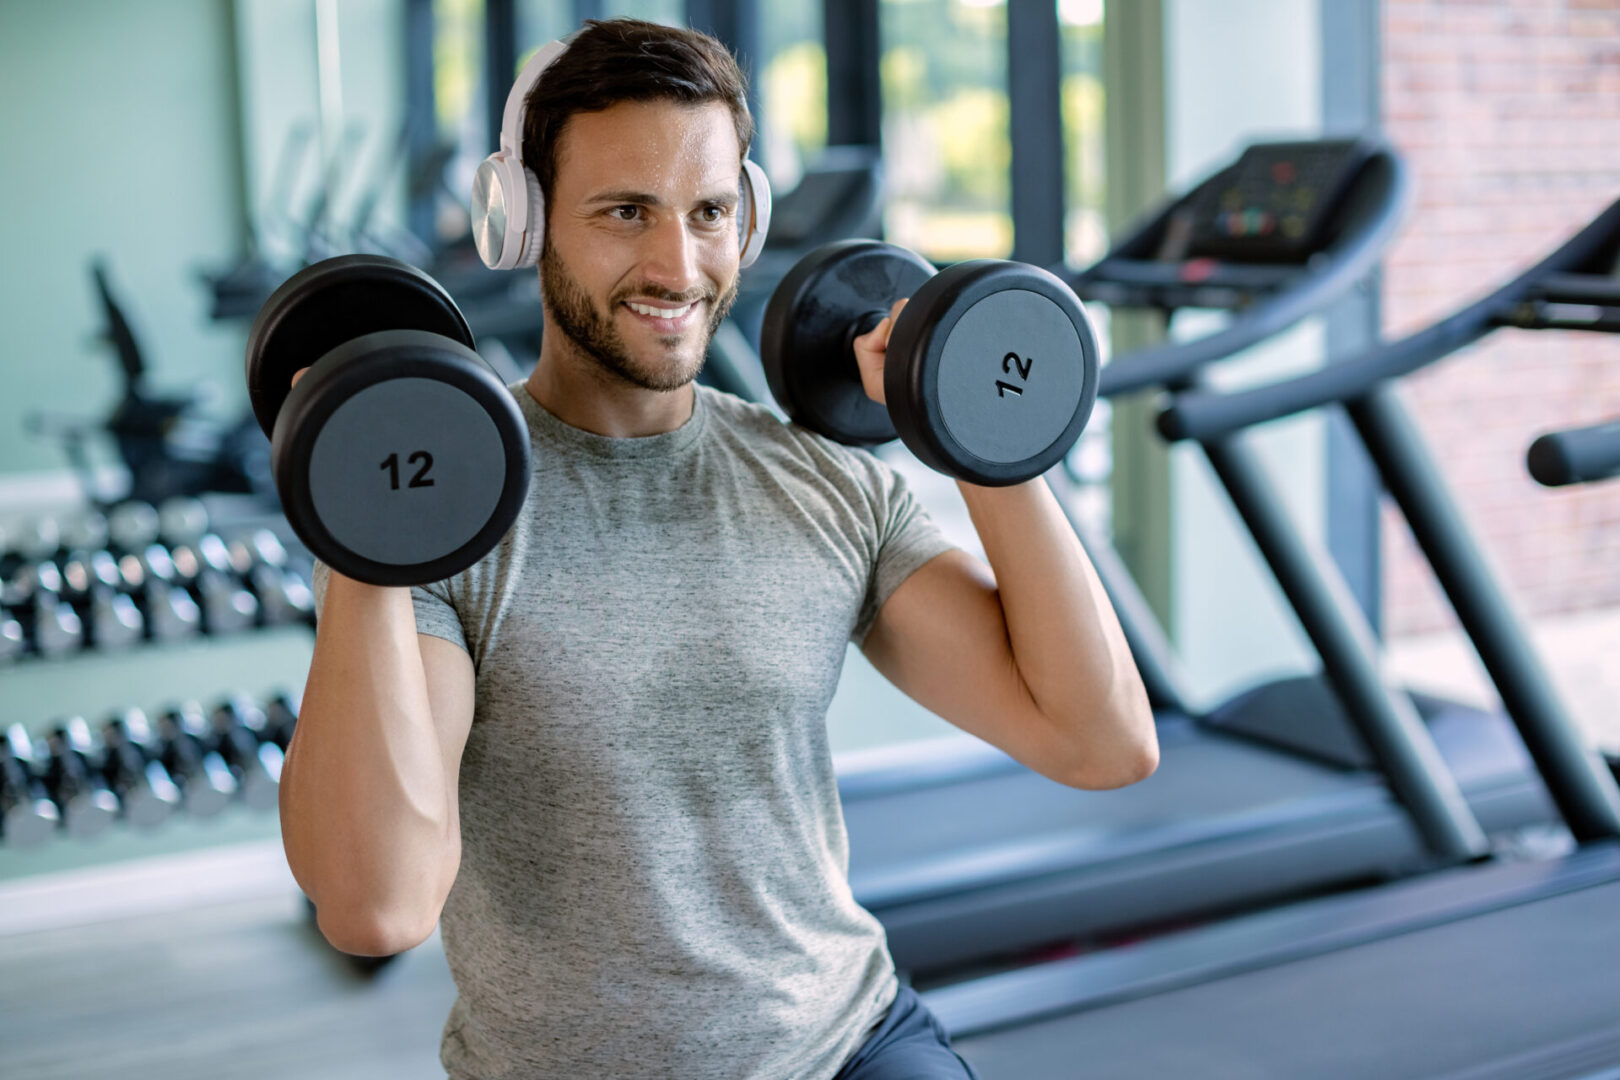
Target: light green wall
[
  {"x": 119, "y": 127},
  {"x": 128, "y": 131}
]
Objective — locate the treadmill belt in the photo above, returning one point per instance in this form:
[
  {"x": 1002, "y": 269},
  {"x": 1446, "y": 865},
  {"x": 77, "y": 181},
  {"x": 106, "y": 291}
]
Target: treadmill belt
[{"x": 1530, "y": 992}]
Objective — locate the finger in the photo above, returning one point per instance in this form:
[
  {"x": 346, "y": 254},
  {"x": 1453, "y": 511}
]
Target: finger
[
  {"x": 299, "y": 374},
  {"x": 876, "y": 339}
]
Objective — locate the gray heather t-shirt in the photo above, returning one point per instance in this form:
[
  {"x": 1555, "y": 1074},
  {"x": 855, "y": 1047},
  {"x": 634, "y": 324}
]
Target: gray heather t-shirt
[{"x": 653, "y": 875}]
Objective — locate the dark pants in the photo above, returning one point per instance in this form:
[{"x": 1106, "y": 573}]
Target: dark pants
[{"x": 910, "y": 1044}]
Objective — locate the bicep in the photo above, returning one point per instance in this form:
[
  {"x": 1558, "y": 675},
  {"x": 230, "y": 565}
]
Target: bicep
[{"x": 941, "y": 638}]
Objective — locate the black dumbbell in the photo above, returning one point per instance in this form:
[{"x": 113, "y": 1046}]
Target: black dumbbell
[
  {"x": 284, "y": 594},
  {"x": 281, "y": 717},
  {"x": 93, "y": 579},
  {"x": 400, "y": 457},
  {"x": 57, "y": 628},
  {"x": 13, "y": 642},
  {"x": 28, "y": 817},
  {"x": 73, "y": 776},
  {"x": 146, "y": 792},
  {"x": 171, "y": 612},
  {"x": 206, "y": 782},
  {"x": 992, "y": 366},
  {"x": 227, "y": 606},
  {"x": 238, "y": 727}
]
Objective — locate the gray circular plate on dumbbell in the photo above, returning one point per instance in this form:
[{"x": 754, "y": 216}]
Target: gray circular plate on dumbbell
[
  {"x": 400, "y": 458},
  {"x": 992, "y": 366}
]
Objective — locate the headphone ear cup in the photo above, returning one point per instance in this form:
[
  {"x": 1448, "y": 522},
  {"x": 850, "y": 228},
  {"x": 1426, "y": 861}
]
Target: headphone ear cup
[
  {"x": 754, "y": 212},
  {"x": 536, "y": 230}
]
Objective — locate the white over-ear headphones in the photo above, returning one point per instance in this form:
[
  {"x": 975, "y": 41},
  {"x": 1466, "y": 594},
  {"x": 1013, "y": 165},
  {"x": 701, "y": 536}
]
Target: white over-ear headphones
[{"x": 508, "y": 212}]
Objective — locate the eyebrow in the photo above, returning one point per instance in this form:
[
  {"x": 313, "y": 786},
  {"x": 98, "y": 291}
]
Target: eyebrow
[{"x": 642, "y": 198}]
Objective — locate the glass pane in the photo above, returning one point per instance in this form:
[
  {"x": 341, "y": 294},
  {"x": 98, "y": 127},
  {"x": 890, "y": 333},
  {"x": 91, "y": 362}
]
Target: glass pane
[
  {"x": 792, "y": 87},
  {"x": 1085, "y": 234},
  {"x": 946, "y": 146},
  {"x": 458, "y": 101},
  {"x": 540, "y": 21}
]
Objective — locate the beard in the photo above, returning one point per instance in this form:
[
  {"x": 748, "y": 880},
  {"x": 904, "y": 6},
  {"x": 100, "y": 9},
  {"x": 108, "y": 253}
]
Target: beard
[{"x": 596, "y": 335}]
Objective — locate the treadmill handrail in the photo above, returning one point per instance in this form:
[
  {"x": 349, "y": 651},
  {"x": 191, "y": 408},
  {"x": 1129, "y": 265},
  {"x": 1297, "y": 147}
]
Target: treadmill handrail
[
  {"x": 1206, "y": 416},
  {"x": 1576, "y": 455},
  {"x": 1323, "y": 278}
]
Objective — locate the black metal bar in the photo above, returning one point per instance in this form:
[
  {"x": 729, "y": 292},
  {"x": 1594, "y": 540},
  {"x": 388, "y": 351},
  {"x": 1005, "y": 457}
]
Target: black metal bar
[
  {"x": 500, "y": 62},
  {"x": 1576, "y": 455},
  {"x": 1351, "y": 104},
  {"x": 421, "y": 118},
  {"x": 1387, "y": 721},
  {"x": 1575, "y": 775},
  {"x": 851, "y": 30},
  {"x": 1034, "y": 72}
]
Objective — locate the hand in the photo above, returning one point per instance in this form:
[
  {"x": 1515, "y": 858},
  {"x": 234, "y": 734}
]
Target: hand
[
  {"x": 870, "y": 350},
  {"x": 299, "y": 374}
]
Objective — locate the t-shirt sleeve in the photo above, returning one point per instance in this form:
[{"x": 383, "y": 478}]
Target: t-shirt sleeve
[
  {"x": 435, "y": 612},
  {"x": 906, "y": 539}
]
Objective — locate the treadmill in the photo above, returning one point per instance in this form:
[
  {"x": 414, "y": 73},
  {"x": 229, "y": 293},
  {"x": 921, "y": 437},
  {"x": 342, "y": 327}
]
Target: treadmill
[
  {"x": 966, "y": 855},
  {"x": 1495, "y": 968}
]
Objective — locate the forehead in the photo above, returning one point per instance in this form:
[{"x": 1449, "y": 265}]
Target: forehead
[{"x": 648, "y": 145}]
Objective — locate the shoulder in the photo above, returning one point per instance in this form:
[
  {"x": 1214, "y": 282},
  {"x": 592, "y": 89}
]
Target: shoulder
[{"x": 760, "y": 429}]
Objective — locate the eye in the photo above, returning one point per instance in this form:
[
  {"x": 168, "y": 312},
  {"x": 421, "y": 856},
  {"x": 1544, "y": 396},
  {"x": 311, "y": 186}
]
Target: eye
[
  {"x": 713, "y": 214},
  {"x": 625, "y": 212}
]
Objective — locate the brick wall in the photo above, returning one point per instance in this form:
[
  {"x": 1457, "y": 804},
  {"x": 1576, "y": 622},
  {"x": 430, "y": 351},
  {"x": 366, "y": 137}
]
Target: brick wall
[{"x": 1508, "y": 112}]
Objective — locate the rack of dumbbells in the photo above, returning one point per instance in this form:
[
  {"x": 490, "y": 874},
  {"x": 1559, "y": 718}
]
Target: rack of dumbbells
[
  {"x": 139, "y": 574},
  {"x": 130, "y": 576},
  {"x": 194, "y": 759},
  {"x": 95, "y": 582}
]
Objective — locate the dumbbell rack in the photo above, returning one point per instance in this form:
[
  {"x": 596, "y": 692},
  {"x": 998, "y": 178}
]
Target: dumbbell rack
[
  {"x": 199, "y": 761},
  {"x": 140, "y": 575}
]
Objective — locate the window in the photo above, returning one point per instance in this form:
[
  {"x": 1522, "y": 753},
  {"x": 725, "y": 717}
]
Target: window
[
  {"x": 946, "y": 144},
  {"x": 791, "y": 82}
]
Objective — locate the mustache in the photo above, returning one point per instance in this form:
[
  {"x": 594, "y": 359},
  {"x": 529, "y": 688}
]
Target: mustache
[{"x": 658, "y": 292}]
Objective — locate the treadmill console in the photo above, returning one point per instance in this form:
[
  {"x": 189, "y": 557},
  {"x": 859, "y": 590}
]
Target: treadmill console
[{"x": 1276, "y": 203}]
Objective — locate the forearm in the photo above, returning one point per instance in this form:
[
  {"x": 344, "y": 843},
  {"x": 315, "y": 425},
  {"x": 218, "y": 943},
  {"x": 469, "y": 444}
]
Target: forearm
[
  {"x": 1064, "y": 636},
  {"x": 365, "y": 810}
]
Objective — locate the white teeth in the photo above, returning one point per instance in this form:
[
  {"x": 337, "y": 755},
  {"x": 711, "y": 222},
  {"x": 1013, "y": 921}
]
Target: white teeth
[{"x": 657, "y": 312}]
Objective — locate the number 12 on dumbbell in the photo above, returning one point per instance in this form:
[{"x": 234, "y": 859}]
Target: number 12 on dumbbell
[
  {"x": 1008, "y": 362},
  {"x": 421, "y": 479},
  {"x": 395, "y": 400}
]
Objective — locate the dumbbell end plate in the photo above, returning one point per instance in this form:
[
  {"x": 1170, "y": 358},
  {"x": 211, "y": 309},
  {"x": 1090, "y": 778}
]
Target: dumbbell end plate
[
  {"x": 333, "y": 301},
  {"x": 804, "y": 342}
]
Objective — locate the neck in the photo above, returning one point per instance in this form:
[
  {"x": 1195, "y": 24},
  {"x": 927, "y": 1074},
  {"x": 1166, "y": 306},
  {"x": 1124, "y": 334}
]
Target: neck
[{"x": 582, "y": 394}]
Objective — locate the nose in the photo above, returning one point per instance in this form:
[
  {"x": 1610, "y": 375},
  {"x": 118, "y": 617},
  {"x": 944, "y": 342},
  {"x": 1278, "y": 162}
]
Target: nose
[{"x": 671, "y": 257}]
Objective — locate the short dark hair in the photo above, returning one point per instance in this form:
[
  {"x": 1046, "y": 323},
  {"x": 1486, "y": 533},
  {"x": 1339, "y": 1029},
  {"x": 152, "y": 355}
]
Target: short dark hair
[{"x": 614, "y": 60}]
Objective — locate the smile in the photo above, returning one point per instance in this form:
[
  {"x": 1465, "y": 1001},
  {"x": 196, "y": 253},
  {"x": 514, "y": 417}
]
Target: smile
[{"x": 658, "y": 312}]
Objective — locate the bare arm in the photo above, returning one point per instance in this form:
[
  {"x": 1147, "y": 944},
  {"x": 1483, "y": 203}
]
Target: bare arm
[
  {"x": 1027, "y": 654},
  {"x": 368, "y": 790}
]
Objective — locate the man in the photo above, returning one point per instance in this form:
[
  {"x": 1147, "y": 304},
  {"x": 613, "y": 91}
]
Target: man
[{"x": 598, "y": 757}]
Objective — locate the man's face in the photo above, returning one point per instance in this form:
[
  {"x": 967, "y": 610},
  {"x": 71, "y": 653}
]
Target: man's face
[{"x": 640, "y": 261}]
